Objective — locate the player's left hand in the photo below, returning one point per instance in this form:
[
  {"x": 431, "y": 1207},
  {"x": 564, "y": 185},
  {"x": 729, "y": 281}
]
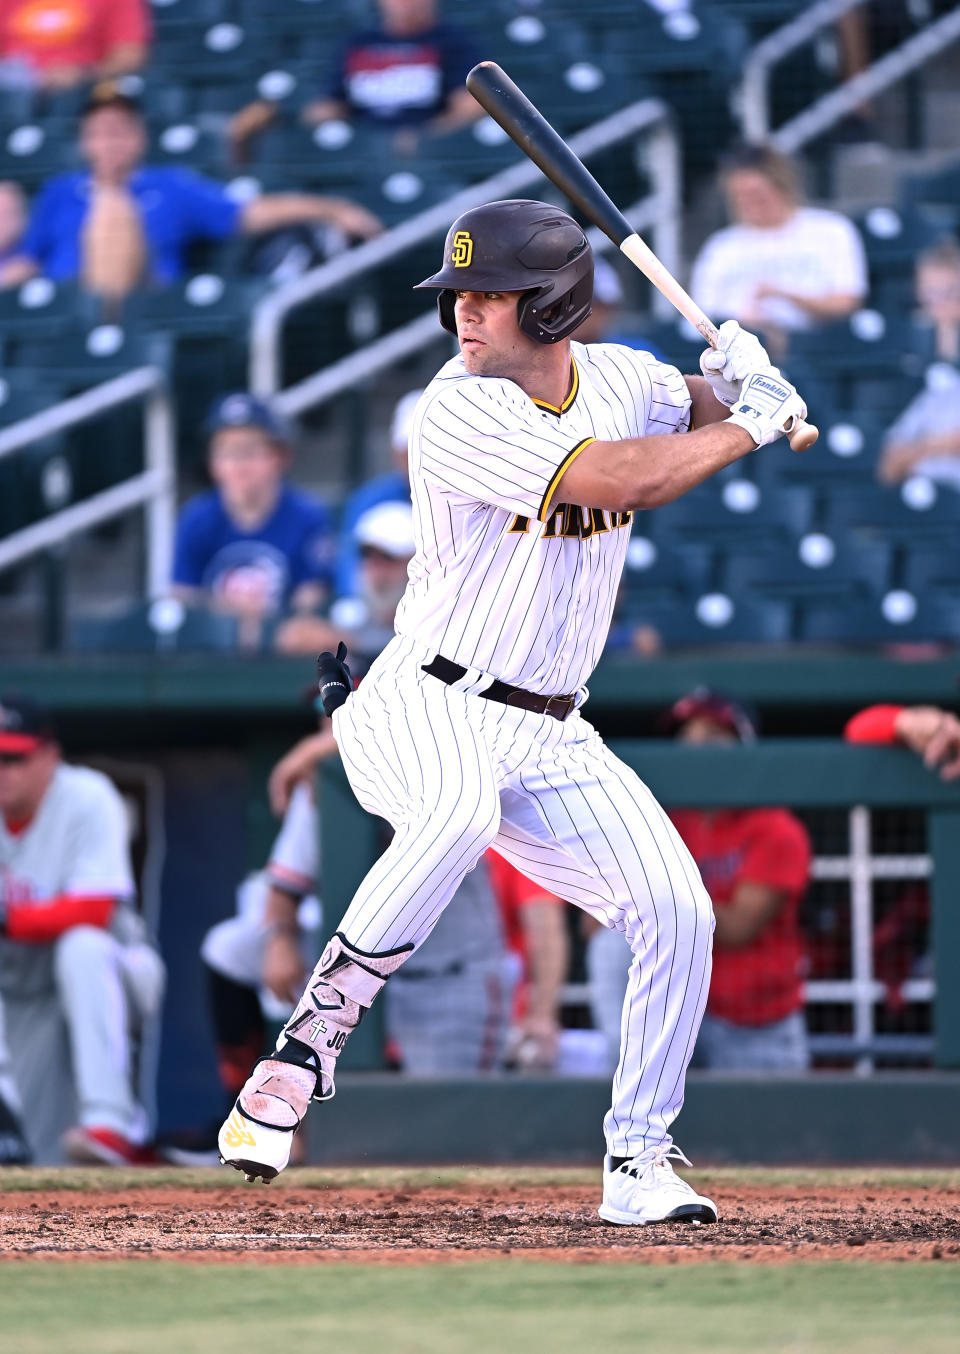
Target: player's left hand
[{"x": 737, "y": 353}]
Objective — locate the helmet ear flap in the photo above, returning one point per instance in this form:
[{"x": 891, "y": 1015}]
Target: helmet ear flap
[{"x": 445, "y": 303}]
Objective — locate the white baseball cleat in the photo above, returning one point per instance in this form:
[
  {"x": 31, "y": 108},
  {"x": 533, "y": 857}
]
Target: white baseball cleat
[
  {"x": 257, "y": 1136},
  {"x": 646, "y": 1189}
]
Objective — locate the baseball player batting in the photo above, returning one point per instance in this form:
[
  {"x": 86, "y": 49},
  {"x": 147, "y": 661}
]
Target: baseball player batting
[{"x": 529, "y": 455}]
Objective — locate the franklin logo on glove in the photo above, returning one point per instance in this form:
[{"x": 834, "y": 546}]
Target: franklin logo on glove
[{"x": 334, "y": 680}]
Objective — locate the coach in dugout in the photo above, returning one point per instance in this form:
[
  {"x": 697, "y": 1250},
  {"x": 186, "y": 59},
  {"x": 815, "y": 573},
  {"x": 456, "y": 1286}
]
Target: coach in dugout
[
  {"x": 756, "y": 866},
  {"x": 120, "y": 224},
  {"x": 77, "y": 973}
]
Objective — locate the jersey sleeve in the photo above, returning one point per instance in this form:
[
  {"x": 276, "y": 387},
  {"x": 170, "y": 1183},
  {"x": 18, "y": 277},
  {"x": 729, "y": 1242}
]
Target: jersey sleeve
[
  {"x": 659, "y": 395},
  {"x": 98, "y": 861},
  {"x": 205, "y": 207},
  {"x": 294, "y": 861},
  {"x": 778, "y": 853},
  {"x": 876, "y": 724},
  {"x": 484, "y": 439}
]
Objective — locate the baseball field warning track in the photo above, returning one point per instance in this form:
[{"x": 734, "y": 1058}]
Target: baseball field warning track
[{"x": 772, "y": 1217}]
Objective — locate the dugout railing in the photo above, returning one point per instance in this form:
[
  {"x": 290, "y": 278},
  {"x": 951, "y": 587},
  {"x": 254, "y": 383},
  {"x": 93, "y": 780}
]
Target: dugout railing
[{"x": 804, "y": 775}]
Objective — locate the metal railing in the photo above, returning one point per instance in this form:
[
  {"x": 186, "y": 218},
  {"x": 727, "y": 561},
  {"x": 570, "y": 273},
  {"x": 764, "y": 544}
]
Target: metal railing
[
  {"x": 154, "y": 488},
  {"x": 752, "y": 100},
  {"x": 827, "y": 111},
  {"x": 662, "y": 161}
]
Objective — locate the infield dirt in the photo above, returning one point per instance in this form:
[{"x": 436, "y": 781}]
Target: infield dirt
[{"x": 778, "y": 1221}]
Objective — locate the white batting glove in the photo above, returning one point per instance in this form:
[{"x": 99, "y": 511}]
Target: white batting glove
[
  {"x": 768, "y": 406},
  {"x": 737, "y": 354}
]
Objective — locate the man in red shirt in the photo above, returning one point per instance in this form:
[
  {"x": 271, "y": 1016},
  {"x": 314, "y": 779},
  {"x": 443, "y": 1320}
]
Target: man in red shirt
[
  {"x": 756, "y": 865},
  {"x": 62, "y": 43}
]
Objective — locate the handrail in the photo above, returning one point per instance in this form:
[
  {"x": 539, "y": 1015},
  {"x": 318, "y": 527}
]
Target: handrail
[
  {"x": 154, "y": 488},
  {"x": 752, "y": 99},
  {"x": 269, "y": 314},
  {"x": 829, "y": 109},
  {"x": 408, "y": 338}
]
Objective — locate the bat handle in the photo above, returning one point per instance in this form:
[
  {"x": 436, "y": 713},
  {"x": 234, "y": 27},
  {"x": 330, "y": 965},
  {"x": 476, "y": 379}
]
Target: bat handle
[{"x": 802, "y": 434}]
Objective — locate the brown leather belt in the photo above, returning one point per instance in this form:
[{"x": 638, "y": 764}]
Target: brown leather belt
[{"x": 557, "y": 706}]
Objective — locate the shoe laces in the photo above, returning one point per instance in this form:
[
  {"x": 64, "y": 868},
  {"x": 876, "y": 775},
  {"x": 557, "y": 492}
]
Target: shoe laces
[{"x": 655, "y": 1159}]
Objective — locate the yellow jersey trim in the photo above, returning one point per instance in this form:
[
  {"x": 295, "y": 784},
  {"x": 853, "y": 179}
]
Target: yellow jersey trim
[
  {"x": 571, "y": 394},
  {"x": 558, "y": 474}
]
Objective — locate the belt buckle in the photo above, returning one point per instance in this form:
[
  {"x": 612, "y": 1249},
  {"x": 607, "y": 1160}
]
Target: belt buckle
[{"x": 566, "y": 704}]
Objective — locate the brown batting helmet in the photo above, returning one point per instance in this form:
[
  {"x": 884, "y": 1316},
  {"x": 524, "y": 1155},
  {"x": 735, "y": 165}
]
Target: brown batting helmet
[{"x": 519, "y": 245}]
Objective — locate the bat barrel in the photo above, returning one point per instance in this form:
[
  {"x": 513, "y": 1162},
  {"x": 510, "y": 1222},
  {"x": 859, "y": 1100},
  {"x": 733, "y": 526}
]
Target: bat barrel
[{"x": 509, "y": 106}]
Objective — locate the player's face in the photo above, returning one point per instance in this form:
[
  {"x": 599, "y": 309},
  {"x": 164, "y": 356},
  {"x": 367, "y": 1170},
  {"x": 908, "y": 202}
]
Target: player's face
[
  {"x": 113, "y": 142},
  {"x": 24, "y": 779},
  {"x": 754, "y": 201},
  {"x": 244, "y": 464},
  {"x": 702, "y": 729},
  {"x": 938, "y": 291},
  {"x": 383, "y": 582},
  {"x": 491, "y": 340}
]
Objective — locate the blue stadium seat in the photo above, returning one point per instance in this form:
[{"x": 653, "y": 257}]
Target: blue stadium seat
[
  {"x": 717, "y": 618},
  {"x": 41, "y": 309},
  {"x": 658, "y": 573},
  {"x": 930, "y": 569},
  {"x": 893, "y": 236},
  {"x": 733, "y": 512},
  {"x": 34, "y": 151},
  {"x": 846, "y": 451},
  {"x": 814, "y": 566},
  {"x": 336, "y": 156},
  {"x": 164, "y": 626},
  {"x": 916, "y": 510},
  {"x": 897, "y": 618}
]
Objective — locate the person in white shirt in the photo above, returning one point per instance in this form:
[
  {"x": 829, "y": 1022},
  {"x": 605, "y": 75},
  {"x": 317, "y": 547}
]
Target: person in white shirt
[
  {"x": 781, "y": 265},
  {"x": 529, "y": 456}
]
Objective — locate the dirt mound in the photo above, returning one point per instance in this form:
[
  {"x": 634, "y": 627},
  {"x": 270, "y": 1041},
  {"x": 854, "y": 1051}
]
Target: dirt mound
[{"x": 430, "y": 1224}]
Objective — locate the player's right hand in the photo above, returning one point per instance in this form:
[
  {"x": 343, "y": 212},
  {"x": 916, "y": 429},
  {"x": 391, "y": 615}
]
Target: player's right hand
[
  {"x": 768, "y": 406},
  {"x": 737, "y": 353}
]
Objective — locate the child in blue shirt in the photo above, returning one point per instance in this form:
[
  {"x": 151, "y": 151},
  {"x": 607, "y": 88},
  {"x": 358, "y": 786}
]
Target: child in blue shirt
[{"x": 254, "y": 545}]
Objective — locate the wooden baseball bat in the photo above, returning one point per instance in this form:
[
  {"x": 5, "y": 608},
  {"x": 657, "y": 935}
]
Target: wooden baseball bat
[{"x": 509, "y": 106}]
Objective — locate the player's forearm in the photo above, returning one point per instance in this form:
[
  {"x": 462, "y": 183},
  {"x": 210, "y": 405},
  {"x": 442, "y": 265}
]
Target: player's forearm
[
  {"x": 280, "y": 913},
  {"x": 823, "y": 308},
  {"x": 651, "y": 471},
  {"x": 548, "y": 948}
]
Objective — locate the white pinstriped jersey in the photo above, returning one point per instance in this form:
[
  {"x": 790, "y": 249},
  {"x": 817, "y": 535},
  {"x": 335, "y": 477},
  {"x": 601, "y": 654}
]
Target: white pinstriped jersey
[{"x": 498, "y": 583}]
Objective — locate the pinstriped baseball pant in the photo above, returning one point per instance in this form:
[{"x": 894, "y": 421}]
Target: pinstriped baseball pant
[{"x": 455, "y": 774}]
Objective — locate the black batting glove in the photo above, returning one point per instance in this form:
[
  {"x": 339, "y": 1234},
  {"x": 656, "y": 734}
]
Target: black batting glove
[{"x": 334, "y": 681}]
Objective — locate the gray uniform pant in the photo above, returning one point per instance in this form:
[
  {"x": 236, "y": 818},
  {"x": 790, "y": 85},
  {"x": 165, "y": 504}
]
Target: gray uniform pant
[{"x": 68, "y": 1036}]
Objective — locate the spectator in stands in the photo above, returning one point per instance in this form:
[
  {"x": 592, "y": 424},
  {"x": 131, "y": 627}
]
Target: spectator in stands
[
  {"x": 58, "y": 44},
  {"x": 253, "y": 545},
  {"x": 405, "y": 76},
  {"x": 393, "y": 486},
  {"x": 780, "y": 266},
  {"x": 121, "y": 224},
  {"x": 13, "y": 219},
  {"x": 925, "y": 439},
  {"x": 756, "y": 866},
  {"x": 364, "y": 621},
  {"x": 77, "y": 972}
]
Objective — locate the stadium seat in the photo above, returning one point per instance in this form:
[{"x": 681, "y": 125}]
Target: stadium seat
[
  {"x": 814, "y": 566},
  {"x": 717, "y": 618},
  {"x": 893, "y": 236},
  {"x": 41, "y": 309},
  {"x": 34, "y": 151},
  {"x": 899, "y": 617},
  {"x": 185, "y": 145},
  {"x": 335, "y": 156},
  {"x": 930, "y": 569},
  {"x": 733, "y": 512},
  {"x": 846, "y": 451},
  {"x": 656, "y": 573},
  {"x": 916, "y": 510},
  {"x": 163, "y": 626}
]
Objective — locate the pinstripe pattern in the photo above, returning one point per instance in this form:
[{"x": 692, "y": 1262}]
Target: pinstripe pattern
[
  {"x": 530, "y": 605},
  {"x": 454, "y": 774}
]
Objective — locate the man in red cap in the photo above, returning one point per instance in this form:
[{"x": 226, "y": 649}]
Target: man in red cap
[
  {"x": 76, "y": 969},
  {"x": 756, "y": 866}
]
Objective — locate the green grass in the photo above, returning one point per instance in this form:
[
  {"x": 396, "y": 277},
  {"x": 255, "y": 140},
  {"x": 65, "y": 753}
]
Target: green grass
[
  {"x": 15, "y": 1178},
  {"x": 507, "y": 1307}
]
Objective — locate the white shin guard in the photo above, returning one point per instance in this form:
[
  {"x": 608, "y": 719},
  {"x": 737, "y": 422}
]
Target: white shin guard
[{"x": 342, "y": 987}]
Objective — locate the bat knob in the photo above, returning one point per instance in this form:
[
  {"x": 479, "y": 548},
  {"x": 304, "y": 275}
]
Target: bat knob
[{"x": 802, "y": 435}]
